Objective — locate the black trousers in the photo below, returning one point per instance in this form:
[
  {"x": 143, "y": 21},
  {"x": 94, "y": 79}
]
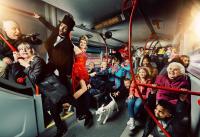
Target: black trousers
[
  {"x": 66, "y": 80},
  {"x": 54, "y": 109},
  {"x": 83, "y": 105},
  {"x": 54, "y": 94}
]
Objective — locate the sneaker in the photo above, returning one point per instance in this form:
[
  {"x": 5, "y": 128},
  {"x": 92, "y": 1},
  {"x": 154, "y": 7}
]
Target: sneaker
[
  {"x": 130, "y": 122},
  {"x": 132, "y": 126}
]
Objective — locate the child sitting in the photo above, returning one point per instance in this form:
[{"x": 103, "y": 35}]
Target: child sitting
[{"x": 134, "y": 100}]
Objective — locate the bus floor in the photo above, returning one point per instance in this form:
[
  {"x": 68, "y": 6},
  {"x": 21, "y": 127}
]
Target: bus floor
[{"x": 114, "y": 127}]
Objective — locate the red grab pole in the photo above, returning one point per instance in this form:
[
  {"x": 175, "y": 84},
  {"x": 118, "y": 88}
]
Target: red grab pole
[
  {"x": 153, "y": 37},
  {"x": 170, "y": 89},
  {"x": 12, "y": 48},
  {"x": 134, "y": 2},
  {"x": 9, "y": 45}
]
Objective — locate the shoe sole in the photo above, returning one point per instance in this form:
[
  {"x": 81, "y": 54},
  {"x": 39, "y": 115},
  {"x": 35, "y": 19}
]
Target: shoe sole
[
  {"x": 128, "y": 124},
  {"x": 131, "y": 128}
]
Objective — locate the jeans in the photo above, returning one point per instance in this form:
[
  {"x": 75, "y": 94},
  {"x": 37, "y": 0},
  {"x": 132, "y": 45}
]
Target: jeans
[{"x": 134, "y": 105}]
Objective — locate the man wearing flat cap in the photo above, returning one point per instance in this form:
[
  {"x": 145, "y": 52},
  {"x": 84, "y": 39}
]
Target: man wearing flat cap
[{"x": 60, "y": 51}]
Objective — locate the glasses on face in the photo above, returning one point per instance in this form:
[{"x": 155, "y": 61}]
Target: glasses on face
[{"x": 23, "y": 48}]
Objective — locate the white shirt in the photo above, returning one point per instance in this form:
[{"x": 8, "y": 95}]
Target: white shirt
[{"x": 58, "y": 40}]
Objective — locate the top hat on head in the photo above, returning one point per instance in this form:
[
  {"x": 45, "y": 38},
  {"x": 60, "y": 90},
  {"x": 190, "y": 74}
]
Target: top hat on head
[{"x": 69, "y": 21}]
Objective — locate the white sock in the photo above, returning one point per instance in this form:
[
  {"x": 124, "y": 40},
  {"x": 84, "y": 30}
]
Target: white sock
[{"x": 131, "y": 118}]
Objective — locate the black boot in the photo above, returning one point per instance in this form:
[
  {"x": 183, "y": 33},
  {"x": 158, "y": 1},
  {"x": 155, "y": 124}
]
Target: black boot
[
  {"x": 88, "y": 120},
  {"x": 47, "y": 122},
  {"x": 61, "y": 130}
]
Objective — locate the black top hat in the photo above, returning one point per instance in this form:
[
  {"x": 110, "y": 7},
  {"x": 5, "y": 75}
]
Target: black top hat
[{"x": 69, "y": 21}]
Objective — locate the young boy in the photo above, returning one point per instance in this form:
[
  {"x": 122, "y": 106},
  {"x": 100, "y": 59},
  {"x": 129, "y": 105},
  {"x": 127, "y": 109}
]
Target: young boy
[{"x": 170, "y": 117}]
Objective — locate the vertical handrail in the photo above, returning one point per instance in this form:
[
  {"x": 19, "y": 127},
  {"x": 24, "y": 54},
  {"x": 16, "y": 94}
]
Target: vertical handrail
[
  {"x": 12, "y": 48},
  {"x": 134, "y": 3}
]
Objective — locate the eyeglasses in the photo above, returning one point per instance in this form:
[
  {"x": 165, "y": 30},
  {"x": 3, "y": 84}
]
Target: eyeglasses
[{"x": 23, "y": 48}]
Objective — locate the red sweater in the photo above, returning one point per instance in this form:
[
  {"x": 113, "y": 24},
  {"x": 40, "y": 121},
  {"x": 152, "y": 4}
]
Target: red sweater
[{"x": 143, "y": 90}]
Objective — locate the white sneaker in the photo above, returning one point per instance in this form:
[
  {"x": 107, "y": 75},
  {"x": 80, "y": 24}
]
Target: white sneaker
[
  {"x": 132, "y": 126},
  {"x": 130, "y": 122}
]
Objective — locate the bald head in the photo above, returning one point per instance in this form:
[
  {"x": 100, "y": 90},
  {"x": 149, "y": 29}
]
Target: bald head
[{"x": 11, "y": 29}]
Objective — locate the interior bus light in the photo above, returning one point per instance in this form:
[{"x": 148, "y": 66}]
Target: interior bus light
[{"x": 195, "y": 24}]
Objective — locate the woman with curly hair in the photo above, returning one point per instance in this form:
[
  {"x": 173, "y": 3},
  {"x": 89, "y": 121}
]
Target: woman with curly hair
[{"x": 80, "y": 79}]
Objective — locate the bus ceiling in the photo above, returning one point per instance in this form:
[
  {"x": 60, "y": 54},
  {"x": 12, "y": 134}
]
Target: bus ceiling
[{"x": 98, "y": 18}]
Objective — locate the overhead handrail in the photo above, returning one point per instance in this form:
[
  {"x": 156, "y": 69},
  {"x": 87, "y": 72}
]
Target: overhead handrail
[
  {"x": 152, "y": 43},
  {"x": 153, "y": 37},
  {"x": 8, "y": 44},
  {"x": 185, "y": 91},
  {"x": 134, "y": 3}
]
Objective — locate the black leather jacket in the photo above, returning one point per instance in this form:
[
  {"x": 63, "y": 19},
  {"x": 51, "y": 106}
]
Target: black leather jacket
[{"x": 37, "y": 73}]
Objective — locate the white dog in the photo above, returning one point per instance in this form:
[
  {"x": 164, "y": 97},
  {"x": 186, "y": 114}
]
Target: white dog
[{"x": 107, "y": 110}]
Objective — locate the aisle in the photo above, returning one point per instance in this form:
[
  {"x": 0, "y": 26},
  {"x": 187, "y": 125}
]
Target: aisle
[{"x": 113, "y": 128}]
